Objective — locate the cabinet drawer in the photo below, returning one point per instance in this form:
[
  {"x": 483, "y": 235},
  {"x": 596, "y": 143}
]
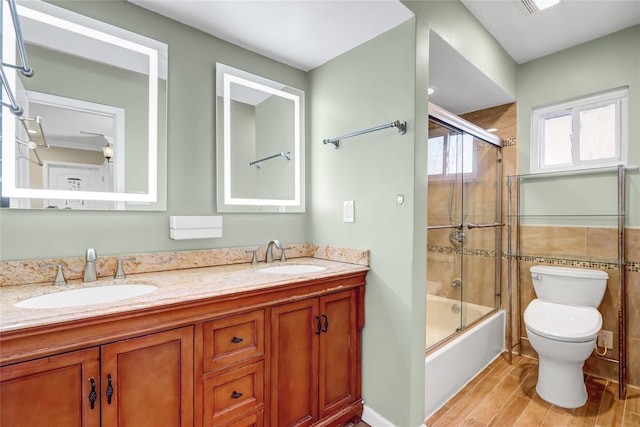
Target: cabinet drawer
[
  {"x": 253, "y": 420},
  {"x": 233, "y": 394},
  {"x": 233, "y": 339}
]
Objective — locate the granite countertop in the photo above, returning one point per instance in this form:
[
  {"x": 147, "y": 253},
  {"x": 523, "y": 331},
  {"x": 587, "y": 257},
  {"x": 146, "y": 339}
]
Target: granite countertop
[{"x": 175, "y": 286}]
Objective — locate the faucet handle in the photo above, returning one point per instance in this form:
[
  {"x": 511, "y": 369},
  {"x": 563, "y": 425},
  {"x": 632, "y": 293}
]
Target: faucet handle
[
  {"x": 254, "y": 256},
  {"x": 119, "y": 270},
  {"x": 283, "y": 256},
  {"x": 59, "y": 280},
  {"x": 91, "y": 254}
]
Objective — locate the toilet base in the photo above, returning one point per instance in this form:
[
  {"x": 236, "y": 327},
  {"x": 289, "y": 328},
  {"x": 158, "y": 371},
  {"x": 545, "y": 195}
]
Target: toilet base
[{"x": 561, "y": 382}]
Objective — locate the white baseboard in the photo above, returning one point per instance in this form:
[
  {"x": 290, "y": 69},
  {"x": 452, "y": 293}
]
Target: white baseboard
[{"x": 374, "y": 419}]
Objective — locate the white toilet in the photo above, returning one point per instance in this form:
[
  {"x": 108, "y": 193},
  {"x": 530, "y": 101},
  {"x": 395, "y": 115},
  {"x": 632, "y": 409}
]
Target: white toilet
[{"x": 562, "y": 326}]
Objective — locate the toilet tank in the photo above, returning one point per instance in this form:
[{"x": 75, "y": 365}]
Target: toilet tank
[{"x": 575, "y": 286}]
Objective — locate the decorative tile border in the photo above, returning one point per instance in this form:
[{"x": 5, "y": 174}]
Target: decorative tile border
[
  {"x": 631, "y": 266},
  {"x": 449, "y": 250},
  {"x": 509, "y": 142},
  {"x": 564, "y": 262},
  {"x": 29, "y": 271}
]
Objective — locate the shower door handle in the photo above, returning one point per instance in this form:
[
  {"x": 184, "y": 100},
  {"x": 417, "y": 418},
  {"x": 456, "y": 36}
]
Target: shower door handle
[
  {"x": 491, "y": 224},
  {"x": 442, "y": 227}
]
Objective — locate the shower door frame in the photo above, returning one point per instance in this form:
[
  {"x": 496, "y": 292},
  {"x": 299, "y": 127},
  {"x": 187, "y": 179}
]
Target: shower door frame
[{"x": 447, "y": 119}]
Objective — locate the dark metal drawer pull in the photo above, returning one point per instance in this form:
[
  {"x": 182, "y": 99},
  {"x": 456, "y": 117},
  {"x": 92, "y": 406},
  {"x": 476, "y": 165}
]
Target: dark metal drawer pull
[
  {"x": 92, "y": 394},
  {"x": 326, "y": 323},
  {"x": 236, "y": 395},
  {"x": 109, "y": 391},
  {"x": 236, "y": 340}
]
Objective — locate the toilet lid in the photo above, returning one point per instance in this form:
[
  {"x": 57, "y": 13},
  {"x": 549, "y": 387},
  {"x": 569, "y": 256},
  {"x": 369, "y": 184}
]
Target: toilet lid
[{"x": 562, "y": 322}]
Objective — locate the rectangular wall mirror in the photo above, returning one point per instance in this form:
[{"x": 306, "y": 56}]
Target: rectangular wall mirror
[
  {"x": 92, "y": 134},
  {"x": 260, "y": 143}
]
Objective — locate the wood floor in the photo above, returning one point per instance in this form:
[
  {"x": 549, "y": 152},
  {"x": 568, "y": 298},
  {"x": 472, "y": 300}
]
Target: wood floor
[{"x": 504, "y": 395}]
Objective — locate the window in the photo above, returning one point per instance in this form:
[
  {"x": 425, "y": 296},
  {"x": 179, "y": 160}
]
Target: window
[
  {"x": 449, "y": 155},
  {"x": 585, "y": 133}
]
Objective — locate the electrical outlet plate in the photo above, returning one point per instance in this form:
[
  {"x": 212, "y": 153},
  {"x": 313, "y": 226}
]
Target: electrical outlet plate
[{"x": 605, "y": 339}]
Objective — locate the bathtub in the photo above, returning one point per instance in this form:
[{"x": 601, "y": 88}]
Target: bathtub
[{"x": 449, "y": 368}]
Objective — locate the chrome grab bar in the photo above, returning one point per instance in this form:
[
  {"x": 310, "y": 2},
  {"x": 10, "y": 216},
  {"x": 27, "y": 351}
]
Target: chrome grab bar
[
  {"x": 491, "y": 224},
  {"x": 442, "y": 227}
]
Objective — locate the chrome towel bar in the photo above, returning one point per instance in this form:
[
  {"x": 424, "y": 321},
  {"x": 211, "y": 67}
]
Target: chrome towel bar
[
  {"x": 402, "y": 129},
  {"x": 24, "y": 69},
  {"x": 286, "y": 154}
]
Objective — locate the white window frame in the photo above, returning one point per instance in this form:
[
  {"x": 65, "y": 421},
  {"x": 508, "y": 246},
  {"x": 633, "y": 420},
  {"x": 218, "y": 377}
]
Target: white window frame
[
  {"x": 619, "y": 97},
  {"x": 450, "y": 176}
]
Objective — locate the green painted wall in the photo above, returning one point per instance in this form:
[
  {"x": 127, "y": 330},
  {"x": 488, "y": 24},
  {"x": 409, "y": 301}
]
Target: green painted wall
[
  {"x": 381, "y": 81},
  {"x": 606, "y": 63},
  {"x": 358, "y": 90},
  {"x": 191, "y": 189}
]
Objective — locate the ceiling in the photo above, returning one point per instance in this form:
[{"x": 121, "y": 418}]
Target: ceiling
[
  {"x": 572, "y": 22},
  {"x": 302, "y": 33},
  {"x": 307, "y": 33}
]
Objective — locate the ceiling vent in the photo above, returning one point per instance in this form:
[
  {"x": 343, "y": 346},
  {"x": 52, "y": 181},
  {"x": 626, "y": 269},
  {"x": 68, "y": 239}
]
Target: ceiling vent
[
  {"x": 535, "y": 6},
  {"x": 530, "y": 6}
]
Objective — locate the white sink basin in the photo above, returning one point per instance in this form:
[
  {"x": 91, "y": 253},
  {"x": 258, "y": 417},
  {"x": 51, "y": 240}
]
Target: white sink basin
[
  {"x": 292, "y": 269},
  {"x": 86, "y": 296}
]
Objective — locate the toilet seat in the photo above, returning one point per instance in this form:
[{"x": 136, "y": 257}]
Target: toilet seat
[{"x": 561, "y": 322}]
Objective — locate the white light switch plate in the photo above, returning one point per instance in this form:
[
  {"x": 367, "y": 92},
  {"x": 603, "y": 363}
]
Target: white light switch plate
[{"x": 348, "y": 213}]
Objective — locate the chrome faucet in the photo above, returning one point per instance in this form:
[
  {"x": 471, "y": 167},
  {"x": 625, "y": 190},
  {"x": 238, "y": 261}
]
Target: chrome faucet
[
  {"x": 268, "y": 257},
  {"x": 90, "y": 266}
]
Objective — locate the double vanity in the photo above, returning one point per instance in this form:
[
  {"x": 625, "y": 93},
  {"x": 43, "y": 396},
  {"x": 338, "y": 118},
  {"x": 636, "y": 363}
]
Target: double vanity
[{"x": 226, "y": 345}]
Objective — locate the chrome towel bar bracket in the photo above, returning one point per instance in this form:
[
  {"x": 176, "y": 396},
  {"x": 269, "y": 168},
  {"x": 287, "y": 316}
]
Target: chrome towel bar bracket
[{"x": 400, "y": 125}]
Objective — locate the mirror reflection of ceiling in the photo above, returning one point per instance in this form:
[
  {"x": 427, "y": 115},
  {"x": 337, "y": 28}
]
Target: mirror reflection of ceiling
[{"x": 70, "y": 128}]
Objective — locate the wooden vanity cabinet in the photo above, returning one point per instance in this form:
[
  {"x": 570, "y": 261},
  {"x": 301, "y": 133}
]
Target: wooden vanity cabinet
[
  {"x": 233, "y": 379},
  {"x": 151, "y": 379},
  {"x": 313, "y": 358},
  {"x": 52, "y": 391},
  {"x": 140, "y": 382},
  {"x": 286, "y": 355}
]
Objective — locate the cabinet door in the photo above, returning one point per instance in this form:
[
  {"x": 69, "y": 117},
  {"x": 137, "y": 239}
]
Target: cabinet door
[
  {"x": 337, "y": 361},
  {"x": 152, "y": 381},
  {"x": 294, "y": 364},
  {"x": 53, "y": 391}
]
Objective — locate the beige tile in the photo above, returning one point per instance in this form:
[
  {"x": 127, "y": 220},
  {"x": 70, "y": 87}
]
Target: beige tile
[
  {"x": 553, "y": 241},
  {"x": 633, "y": 304},
  {"x": 633, "y": 361},
  {"x": 633, "y": 244},
  {"x": 602, "y": 243}
]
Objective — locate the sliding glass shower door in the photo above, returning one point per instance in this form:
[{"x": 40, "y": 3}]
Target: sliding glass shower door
[{"x": 463, "y": 229}]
